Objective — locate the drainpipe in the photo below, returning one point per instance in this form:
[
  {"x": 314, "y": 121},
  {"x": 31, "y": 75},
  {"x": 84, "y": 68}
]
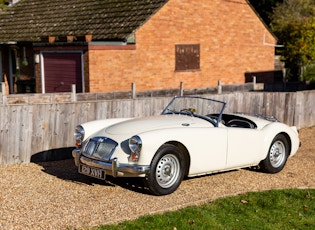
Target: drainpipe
[{"x": 11, "y": 78}]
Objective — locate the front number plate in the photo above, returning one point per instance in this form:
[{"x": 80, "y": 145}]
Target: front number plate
[{"x": 92, "y": 172}]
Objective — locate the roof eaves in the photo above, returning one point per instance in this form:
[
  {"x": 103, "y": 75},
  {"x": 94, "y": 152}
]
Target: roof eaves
[
  {"x": 105, "y": 28},
  {"x": 263, "y": 22}
]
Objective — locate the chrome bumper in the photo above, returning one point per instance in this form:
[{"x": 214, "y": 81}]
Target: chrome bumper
[{"x": 113, "y": 168}]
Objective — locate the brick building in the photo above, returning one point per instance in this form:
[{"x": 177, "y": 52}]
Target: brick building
[{"x": 104, "y": 46}]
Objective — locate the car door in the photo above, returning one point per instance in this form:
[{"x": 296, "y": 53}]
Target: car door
[
  {"x": 208, "y": 150},
  {"x": 244, "y": 145}
]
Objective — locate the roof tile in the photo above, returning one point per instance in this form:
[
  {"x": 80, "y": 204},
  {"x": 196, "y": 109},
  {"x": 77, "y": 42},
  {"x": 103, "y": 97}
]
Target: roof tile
[{"x": 30, "y": 20}]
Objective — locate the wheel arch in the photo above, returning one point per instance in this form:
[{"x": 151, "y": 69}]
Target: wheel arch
[
  {"x": 269, "y": 141},
  {"x": 272, "y": 130},
  {"x": 182, "y": 148},
  {"x": 288, "y": 139},
  {"x": 276, "y": 158}
]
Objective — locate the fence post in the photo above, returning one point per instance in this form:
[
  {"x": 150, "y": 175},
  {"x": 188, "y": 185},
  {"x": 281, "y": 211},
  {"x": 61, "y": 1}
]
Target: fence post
[
  {"x": 73, "y": 93},
  {"x": 254, "y": 83},
  {"x": 133, "y": 89},
  {"x": 3, "y": 93},
  {"x": 219, "y": 87},
  {"x": 181, "y": 89}
]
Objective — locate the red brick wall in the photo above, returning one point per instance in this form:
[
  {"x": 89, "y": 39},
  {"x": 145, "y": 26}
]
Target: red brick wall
[{"x": 231, "y": 43}]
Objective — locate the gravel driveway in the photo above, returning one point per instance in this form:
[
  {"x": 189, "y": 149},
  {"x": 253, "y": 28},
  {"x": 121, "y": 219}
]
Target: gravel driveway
[{"x": 52, "y": 195}]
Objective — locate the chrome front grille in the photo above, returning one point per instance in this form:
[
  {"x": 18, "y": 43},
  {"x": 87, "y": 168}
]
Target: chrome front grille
[
  {"x": 90, "y": 147},
  {"x": 100, "y": 147}
]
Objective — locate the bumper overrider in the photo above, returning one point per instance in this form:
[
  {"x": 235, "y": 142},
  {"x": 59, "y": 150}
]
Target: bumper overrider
[{"x": 113, "y": 167}]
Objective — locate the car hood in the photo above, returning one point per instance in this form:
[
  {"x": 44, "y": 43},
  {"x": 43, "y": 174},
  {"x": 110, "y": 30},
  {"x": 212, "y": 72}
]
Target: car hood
[{"x": 140, "y": 125}]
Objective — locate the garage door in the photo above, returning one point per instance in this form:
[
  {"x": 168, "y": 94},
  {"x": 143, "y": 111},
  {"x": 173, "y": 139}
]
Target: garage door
[{"x": 61, "y": 70}]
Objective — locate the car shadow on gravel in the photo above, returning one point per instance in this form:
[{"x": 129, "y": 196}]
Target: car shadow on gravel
[{"x": 66, "y": 170}]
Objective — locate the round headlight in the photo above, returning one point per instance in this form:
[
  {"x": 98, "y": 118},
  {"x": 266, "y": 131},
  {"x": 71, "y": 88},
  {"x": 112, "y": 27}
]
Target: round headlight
[
  {"x": 135, "y": 144},
  {"x": 79, "y": 135}
]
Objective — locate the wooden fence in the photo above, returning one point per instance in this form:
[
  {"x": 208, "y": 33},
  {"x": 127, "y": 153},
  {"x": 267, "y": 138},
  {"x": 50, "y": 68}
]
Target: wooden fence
[{"x": 29, "y": 129}]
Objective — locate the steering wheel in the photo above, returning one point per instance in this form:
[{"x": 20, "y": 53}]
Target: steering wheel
[{"x": 191, "y": 111}]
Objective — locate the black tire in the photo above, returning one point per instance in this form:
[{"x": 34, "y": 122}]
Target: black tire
[
  {"x": 277, "y": 155},
  {"x": 167, "y": 171}
]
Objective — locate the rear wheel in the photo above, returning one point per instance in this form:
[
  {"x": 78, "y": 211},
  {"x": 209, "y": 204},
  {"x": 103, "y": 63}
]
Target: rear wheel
[
  {"x": 277, "y": 155},
  {"x": 167, "y": 171}
]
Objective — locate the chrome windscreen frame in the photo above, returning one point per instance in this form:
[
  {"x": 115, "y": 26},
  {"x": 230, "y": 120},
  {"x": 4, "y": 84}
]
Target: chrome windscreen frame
[{"x": 207, "y": 107}]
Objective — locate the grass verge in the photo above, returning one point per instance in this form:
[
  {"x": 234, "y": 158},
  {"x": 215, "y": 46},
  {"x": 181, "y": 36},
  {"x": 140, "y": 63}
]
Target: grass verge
[{"x": 275, "y": 209}]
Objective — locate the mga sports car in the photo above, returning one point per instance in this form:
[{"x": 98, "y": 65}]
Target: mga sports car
[{"x": 192, "y": 136}]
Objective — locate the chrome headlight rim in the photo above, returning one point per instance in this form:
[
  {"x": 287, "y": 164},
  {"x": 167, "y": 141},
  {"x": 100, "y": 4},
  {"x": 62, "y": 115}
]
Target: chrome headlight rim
[
  {"x": 79, "y": 135},
  {"x": 135, "y": 145}
]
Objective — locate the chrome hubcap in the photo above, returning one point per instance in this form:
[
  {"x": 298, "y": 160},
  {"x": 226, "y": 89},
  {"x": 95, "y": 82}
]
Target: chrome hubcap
[
  {"x": 167, "y": 171},
  {"x": 277, "y": 154}
]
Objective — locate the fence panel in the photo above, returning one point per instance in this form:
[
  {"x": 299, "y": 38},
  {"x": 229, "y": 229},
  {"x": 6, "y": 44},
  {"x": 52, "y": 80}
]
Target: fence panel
[
  {"x": 304, "y": 110},
  {"x": 27, "y": 129}
]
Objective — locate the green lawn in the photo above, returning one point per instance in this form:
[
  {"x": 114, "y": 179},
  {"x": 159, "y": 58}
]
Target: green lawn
[{"x": 276, "y": 209}]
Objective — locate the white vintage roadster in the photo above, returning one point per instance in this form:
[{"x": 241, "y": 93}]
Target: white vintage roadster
[{"x": 191, "y": 137}]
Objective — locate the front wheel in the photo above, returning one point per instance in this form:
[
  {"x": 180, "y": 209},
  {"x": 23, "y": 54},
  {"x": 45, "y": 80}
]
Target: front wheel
[
  {"x": 277, "y": 155},
  {"x": 167, "y": 171}
]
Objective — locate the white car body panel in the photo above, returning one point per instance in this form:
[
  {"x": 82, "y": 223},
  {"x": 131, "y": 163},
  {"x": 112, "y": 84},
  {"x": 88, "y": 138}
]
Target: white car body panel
[
  {"x": 229, "y": 148},
  {"x": 244, "y": 146},
  {"x": 93, "y": 127},
  {"x": 201, "y": 159},
  {"x": 210, "y": 143}
]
